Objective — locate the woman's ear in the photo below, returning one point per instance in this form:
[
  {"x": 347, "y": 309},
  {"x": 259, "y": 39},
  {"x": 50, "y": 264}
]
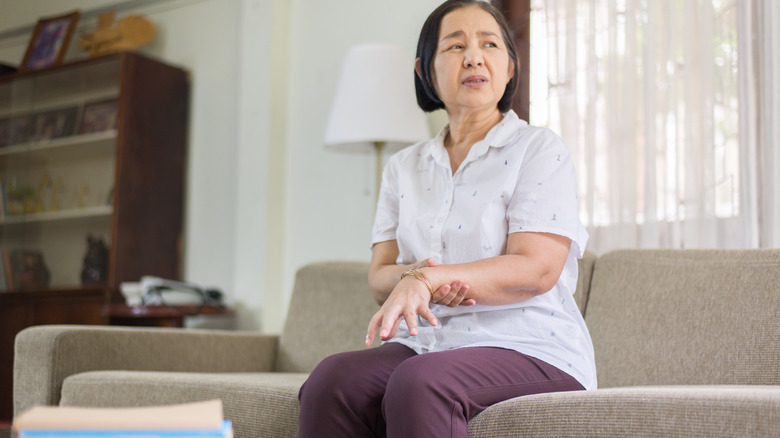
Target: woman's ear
[
  {"x": 417, "y": 67},
  {"x": 511, "y": 70}
]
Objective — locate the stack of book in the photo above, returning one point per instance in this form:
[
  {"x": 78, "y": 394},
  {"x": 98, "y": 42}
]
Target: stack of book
[{"x": 191, "y": 420}]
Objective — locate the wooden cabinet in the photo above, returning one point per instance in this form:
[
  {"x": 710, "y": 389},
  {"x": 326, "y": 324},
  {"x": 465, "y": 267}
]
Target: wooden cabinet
[
  {"x": 91, "y": 148},
  {"x": 95, "y": 147}
]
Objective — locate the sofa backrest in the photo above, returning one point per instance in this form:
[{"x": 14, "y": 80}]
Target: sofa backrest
[
  {"x": 681, "y": 317},
  {"x": 330, "y": 308},
  {"x": 329, "y": 312},
  {"x": 585, "y": 275}
]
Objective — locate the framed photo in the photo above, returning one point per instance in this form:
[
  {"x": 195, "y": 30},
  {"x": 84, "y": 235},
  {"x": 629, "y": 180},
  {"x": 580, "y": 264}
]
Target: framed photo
[
  {"x": 98, "y": 117},
  {"x": 55, "y": 124},
  {"x": 50, "y": 41},
  {"x": 15, "y": 130}
]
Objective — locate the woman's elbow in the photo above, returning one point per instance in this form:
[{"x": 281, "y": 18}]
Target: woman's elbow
[{"x": 546, "y": 280}]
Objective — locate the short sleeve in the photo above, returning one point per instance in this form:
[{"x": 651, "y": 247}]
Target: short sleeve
[
  {"x": 386, "y": 220},
  {"x": 545, "y": 197}
]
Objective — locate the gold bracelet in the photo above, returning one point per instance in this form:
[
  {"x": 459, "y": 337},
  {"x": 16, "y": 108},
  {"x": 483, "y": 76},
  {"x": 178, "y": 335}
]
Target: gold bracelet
[{"x": 419, "y": 275}]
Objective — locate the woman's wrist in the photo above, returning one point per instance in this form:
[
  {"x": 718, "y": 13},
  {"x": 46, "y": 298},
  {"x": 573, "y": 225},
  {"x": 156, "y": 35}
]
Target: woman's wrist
[{"x": 419, "y": 275}]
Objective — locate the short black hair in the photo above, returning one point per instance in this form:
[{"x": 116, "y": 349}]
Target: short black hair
[{"x": 427, "y": 98}]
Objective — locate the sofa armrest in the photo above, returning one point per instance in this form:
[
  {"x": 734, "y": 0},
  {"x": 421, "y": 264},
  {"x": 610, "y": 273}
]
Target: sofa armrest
[
  {"x": 46, "y": 355},
  {"x": 711, "y": 411}
]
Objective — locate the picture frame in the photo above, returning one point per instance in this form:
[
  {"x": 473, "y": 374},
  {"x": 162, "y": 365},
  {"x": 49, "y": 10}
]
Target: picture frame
[
  {"x": 98, "y": 116},
  {"x": 54, "y": 124},
  {"x": 15, "y": 130},
  {"x": 50, "y": 41}
]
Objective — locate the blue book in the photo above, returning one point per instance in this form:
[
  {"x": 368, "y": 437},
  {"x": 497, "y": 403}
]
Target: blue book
[
  {"x": 225, "y": 432},
  {"x": 191, "y": 420}
]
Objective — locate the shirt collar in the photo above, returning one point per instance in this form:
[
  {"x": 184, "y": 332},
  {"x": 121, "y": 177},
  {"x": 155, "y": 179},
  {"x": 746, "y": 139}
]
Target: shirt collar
[{"x": 498, "y": 136}]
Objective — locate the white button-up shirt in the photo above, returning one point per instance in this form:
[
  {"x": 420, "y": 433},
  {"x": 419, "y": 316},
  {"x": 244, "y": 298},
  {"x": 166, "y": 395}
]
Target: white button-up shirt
[{"x": 520, "y": 178}]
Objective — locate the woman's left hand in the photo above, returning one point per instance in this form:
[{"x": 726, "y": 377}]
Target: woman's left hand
[{"x": 409, "y": 298}]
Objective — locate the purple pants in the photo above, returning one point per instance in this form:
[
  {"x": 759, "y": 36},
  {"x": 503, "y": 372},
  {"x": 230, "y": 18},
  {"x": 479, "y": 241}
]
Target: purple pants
[{"x": 392, "y": 391}]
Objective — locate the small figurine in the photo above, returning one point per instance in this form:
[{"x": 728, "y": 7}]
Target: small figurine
[
  {"x": 129, "y": 33},
  {"x": 95, "y": 270},
  {"x": 31, "y": 271}
]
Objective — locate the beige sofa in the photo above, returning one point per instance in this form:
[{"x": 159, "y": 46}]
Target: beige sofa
[{"x": 687, "y": 344}]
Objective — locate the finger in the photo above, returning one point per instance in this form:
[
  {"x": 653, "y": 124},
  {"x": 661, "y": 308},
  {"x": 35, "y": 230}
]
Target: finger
[
  {"x": 373, "y": 326},
  {"x": 389, "y": 318},
  {"x": 452, "y": 299},
  {"x": 411, "y": 322},
  {"x": 461, "y": 295},
  {"x": 442, "y": 291},
  {"x": 429, "y": 316},
  {"x": 394, "y": 330},
  {"x": 432, "y": 262},
  {"x": 468, "y": 302}
]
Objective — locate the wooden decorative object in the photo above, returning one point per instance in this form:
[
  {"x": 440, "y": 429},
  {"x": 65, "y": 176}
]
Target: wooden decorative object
[{"x": 129, "y": 33}]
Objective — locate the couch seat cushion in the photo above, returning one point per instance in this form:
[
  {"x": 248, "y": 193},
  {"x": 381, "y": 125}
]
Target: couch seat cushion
[
  {"x": 680, "y": 411},
  {"x": 259, "y": 404}
]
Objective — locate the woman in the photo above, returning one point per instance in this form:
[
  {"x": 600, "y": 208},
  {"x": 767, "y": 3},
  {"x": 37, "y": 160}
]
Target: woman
[{"x": 474, "y": 261}]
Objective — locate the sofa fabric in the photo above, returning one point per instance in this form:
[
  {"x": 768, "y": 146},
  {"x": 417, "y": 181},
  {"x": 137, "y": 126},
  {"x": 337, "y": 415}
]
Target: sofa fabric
[
  {"x": 46, "y": 355},
  {"x": 693, "y": 317},
  {"x": 686, "y": 344},
  {"x": 329, "y": 312},
  {"x": 249, "y": 399},
  {"x": 636, "y": 412}
]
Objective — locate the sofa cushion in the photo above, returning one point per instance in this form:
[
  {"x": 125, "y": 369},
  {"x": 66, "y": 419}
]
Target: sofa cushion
[
  {"x": 686, "y": 317},
  {"x": 259, "y": 404},
  {"x": 329, "y": 312},
  {"x": 683, "y": 411}
]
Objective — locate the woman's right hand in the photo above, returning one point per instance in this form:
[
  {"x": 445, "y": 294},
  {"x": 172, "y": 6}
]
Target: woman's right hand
[{"x": 453, "y": 295}]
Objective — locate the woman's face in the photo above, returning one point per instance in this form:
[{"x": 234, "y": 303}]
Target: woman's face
[{"x": 471, "y": 67}]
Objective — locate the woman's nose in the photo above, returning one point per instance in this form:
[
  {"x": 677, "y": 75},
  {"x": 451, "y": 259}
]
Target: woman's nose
[{"x": 472, "y": 58}]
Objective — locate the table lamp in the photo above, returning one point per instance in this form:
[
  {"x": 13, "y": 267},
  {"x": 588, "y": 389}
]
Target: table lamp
[{"x": 375, "y": 108}]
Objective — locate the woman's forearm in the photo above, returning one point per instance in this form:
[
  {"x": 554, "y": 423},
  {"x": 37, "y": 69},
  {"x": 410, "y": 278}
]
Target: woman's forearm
[
  {"x": 383, "y": 278},
  {"x": 495, "y": 281},
  {"x": 532, "y": 266}
]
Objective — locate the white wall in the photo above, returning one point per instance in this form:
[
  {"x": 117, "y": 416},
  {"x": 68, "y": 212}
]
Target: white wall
[
  {"x": 331, "y": 199},
  {"x": 263, "y": 196}
]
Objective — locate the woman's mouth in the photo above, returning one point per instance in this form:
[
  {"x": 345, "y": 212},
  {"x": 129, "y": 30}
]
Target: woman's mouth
[{"x": 475, "y": 81}]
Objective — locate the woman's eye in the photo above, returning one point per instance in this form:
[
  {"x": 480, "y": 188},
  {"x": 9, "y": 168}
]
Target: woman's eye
[
  {"x": 491, "y": 44},
  {"x": 456, "y": 46}
]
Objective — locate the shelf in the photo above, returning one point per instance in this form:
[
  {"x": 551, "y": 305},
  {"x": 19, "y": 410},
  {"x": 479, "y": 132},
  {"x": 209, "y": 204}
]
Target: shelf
[
  {"x": 63, "y": 142},
  {"x": 76, "y": 213}
]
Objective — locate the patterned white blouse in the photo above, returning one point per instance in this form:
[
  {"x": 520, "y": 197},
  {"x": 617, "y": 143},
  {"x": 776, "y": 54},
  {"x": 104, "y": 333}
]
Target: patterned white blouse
[{"x": 519, "y": 178}]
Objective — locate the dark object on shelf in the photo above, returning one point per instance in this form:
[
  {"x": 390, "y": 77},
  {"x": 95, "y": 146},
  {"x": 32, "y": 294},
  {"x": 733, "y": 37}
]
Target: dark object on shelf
[
  {"x": 6, "y": 69},
  {"x": 95, "y": 270},
  {"x": 29, "y": 271}
]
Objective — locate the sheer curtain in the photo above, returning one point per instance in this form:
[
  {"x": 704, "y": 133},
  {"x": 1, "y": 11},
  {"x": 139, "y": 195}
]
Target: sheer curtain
[{"x": 671, "y": 111}]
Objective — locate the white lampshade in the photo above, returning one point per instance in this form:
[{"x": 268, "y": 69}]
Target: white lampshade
[{"x": 375, "y": 101}]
